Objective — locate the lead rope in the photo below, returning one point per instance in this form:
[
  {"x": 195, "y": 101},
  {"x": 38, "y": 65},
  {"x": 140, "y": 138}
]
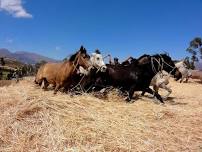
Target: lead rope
[
  {"x": 75, "y": 68},
  {"x": 153, "y": 67},
  {"x": 77, "y": 61},
  {"x": 160, "y": 66},
  {"x": 173, "y": 68}
]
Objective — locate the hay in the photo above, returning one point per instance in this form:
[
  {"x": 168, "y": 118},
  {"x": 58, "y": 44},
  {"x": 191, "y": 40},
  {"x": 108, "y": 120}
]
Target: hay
[{"x": 36, "y": 120}]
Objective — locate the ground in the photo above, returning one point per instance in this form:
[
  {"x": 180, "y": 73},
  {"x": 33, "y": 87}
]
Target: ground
[{"x": 36, "y": 120}]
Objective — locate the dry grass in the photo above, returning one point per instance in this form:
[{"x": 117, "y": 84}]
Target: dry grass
[
  {"x": 6, "y": 82},
  {"x": 34, "y": 120}
]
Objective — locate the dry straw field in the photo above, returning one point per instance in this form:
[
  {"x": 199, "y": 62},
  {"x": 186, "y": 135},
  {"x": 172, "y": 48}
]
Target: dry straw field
[{"x": 33, "y": 120}]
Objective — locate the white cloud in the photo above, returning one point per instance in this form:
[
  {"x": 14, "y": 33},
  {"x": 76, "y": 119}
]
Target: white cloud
[
  {"x": 15, "y": 8},
  {"x": 9, "y": 40},
  {"x": 57, "y": 48}
]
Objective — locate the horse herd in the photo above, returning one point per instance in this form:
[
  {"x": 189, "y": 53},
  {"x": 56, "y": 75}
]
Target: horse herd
[{"x": 92, "y": 74}]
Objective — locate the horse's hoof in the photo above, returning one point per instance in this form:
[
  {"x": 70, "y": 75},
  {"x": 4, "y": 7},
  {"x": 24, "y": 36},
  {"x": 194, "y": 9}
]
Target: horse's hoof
[
  {"x": 128, "y": 100},
  {"x": 131, "y": 101},
  {"x": 162, "y": 104},
  {"x": 164, "y": 98}
]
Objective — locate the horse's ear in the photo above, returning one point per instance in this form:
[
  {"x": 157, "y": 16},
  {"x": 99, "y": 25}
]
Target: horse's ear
[
  {"x": 81, "y": 48},
  {"x": 83, "y": 51},
  {"x": 97, "y": 51}
]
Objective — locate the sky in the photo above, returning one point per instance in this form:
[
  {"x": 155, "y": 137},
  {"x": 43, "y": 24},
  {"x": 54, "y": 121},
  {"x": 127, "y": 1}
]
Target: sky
[{"x": 122, "y": 28}]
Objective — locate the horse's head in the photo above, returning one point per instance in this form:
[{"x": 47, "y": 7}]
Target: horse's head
[
  {"x": 81, "y": 58},
  {"x": 97, "y": 61},
  {"x": 181, "y": 64},
  {"x": 169, "y": 66}
]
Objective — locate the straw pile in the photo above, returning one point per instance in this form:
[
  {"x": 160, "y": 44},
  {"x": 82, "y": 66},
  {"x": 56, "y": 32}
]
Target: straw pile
[{"x": 36, "y": 120}]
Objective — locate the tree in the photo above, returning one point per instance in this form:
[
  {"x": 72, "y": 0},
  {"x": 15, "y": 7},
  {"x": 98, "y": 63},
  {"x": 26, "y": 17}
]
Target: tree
[
  {"x": 195, "y": 48},
  {"x": 188, "y": 63},
  {"x": 37, "y": 65},
  {"x": 65, "y": 59},
  {"x": 2, "y": 62}
]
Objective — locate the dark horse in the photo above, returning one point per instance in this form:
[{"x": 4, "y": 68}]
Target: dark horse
[{"x": 138, "y": 75}]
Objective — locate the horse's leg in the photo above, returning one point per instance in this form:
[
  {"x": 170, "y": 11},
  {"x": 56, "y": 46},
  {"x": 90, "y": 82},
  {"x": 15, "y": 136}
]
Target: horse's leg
[
  {"x": 130, "y": 93},
  {"x": 46, "y": 84},
  {"x": 143, "y": 92},
  {"x": 58, "y": 86},
  {"x": 182, "y": 79},
  {"x": 187, "y": 78},
  {"x": 39, "y": 81},
  {"x": 164, "y": 86},
  {"x": 149, "y": 90},
  {"x": 156, "y": 88}
]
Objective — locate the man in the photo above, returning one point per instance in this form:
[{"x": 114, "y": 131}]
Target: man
[{"x": 116, "y": 61}]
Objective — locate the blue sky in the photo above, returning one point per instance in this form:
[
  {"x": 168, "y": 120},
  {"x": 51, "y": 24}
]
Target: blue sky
[{"x": 56, "y": 28}]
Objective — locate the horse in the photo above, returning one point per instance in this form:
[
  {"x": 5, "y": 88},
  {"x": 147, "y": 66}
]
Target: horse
[
  {"x": 85, "y": 79},
  {"x": 186, "y": 73},
  {"x": 97, "y": 62},
  {"x": 137, "y": 77},
  {"x": 161, "y": 80},
  {"x": 60, "y": 74}
]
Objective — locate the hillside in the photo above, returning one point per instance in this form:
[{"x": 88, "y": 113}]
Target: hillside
[
  {"x": 36, "y": 120},
  {"x": 10, "y": 62},
  {"x": 25, "y": 57}
]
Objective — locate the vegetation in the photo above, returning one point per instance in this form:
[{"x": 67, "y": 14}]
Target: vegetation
[
  {"x": 195, "y": 48},
  {"x": 37, "y": 65}
]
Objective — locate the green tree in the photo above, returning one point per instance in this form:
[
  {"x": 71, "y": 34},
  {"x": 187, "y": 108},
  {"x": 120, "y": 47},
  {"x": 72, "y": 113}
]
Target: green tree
[
  {"x": 195, "y": 48},
  {"x": 37, "y": 65},
  {"x": 65, "y": 59}
]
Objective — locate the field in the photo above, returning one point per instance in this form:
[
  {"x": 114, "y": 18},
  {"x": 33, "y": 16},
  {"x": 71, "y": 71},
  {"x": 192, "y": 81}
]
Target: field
[{"x": 36, "y": 120}]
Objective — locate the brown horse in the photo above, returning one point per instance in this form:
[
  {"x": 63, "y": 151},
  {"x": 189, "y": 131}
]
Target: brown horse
[{"x": 60, "y": 74}]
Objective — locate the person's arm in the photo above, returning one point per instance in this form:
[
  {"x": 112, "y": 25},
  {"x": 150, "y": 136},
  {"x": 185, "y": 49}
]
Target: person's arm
[{"x": 110, "y": 59}]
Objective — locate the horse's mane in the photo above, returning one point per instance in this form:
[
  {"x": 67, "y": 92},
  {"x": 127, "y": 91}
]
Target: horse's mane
[
  {"x": 97, "y": 51},
  {"x": 163, "y": 55},
  {"x": 82, "y": 50},
  {"x": 144, "y": 55}
]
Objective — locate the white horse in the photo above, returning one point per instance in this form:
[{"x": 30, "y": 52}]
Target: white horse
[
  {"x": 186, "y": 73},
  {"x": 161, "y": 80},
  {"x": 97, "y": 62}
]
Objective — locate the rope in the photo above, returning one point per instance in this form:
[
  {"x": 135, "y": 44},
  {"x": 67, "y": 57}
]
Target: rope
[{"x": 160, "y": 66}]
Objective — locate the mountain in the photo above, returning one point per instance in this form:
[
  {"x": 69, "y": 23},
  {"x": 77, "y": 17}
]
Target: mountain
[{"x": 25, "y": 57}]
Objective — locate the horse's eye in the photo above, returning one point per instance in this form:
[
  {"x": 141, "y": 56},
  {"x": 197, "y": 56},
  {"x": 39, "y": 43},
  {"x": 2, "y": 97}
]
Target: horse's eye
[{"x": 98, "y": 59}]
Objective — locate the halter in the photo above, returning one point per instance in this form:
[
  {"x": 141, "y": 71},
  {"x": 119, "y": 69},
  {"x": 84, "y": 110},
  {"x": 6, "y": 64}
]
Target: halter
[
  {"x": 99, "y": 68},
  {"x": 77, "y": 62},
  {"x": 160, "y": 65}
]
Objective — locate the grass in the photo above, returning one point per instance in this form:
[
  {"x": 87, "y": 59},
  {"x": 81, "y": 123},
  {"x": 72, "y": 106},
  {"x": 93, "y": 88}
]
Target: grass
[{"x": 36, "y": 120}]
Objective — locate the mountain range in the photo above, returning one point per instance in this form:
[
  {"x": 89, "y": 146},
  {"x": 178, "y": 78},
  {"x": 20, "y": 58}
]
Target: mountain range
[
  {"x": 33, "y": 58},
  {"x": 25, "y": 57}
]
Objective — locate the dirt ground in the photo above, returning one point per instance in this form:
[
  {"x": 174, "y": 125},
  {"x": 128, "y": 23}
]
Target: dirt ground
[{"x": 36, "y": 120}]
